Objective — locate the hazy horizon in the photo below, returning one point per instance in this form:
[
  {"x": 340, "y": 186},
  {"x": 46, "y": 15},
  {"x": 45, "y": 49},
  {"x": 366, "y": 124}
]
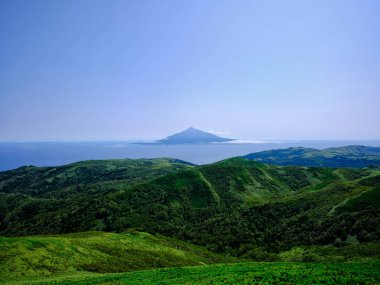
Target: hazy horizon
[{"x": 127, "y": 70}]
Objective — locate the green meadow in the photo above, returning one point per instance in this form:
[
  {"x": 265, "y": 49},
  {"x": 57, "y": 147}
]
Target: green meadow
[
  {"x": 239, "y": 273},
  {"x": 46, "y": 256},
  {"x": 139, "y": 258}
]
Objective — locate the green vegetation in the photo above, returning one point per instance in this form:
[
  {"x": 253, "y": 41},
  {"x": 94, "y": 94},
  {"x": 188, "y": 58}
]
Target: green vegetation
[
  {"x": 86, "y": 177},
  {"x": 236, "y": 206},
  {"x": 347, "y": 156},
  {"x": 63, "y": 193},
  {"x": 239, "y": 273},
  {"x": 43, "y": 256},
  {"x": 79, "y": 258}
]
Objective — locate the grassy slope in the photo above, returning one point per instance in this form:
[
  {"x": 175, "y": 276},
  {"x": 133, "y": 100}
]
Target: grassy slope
[
  {"x": 239, "y": 273},
  {"x": 61, "y": 194},
  {"x": 236, "y": 202},
  {"x": 36, "y": 256},
  {"x": 94, "y": 176},
  {"x": 240, "y": 182}
]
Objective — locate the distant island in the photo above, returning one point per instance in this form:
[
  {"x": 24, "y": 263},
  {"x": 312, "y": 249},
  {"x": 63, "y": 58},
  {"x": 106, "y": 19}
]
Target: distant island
[{"x": 193, "y": 136}]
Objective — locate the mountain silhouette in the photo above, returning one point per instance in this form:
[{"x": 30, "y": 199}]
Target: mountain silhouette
[{"x": 193, "y": 136}]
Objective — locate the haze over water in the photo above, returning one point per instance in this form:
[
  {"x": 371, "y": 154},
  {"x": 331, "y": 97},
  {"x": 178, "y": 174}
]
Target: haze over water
[{"x": 16, "y": 154}]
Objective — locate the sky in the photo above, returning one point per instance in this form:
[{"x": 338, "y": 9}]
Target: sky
[{"x": 115, "y": 70}]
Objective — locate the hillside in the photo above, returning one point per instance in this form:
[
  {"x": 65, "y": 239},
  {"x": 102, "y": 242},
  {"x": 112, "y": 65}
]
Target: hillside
[
  {"x": 244, "y": 208},
  {"x": 98, "y": 252},
  {"x": 347, "y": 156},
  {"x": 235, "y": 206},
  {"x": 95, "y": 176}
]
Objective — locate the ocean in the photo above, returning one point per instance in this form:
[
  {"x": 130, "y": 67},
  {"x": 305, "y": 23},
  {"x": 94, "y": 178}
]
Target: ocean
[{"x": 16, "y": 154}]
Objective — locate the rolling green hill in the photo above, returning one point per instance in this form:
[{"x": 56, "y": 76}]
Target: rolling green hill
[
  {"x": 88, "y": 177},
  {"x": 347, "y": 156},
  {"x": 95, "y": 257},
  {"x": 236, "y": 206},
  {"x": 97, "y": 252},
  {"x": 239, "y": 207},
  {"x": 73, "y": 187}
]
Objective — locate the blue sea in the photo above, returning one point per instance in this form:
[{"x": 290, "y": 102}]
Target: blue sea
[{"x": 16, "y": 154}]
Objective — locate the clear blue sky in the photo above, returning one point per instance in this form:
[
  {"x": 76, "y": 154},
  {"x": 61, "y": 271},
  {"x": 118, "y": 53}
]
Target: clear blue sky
[{"x": 112, "y": 69}]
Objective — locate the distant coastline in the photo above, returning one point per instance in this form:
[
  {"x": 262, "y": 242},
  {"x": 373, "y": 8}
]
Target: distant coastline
[{"x": 16, "y": 154}]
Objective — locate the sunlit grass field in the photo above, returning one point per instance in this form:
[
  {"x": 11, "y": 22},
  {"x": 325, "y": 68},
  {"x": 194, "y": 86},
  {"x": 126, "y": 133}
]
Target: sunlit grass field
[
  {"x": 25, "y": 258},
  {"x": 141, "y": 258},
  {"x": 237, "y": 273}
]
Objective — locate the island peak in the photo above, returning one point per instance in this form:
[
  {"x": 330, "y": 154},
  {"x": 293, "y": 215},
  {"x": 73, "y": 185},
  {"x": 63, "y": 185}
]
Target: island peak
[{"x": 193, "y": 136}]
